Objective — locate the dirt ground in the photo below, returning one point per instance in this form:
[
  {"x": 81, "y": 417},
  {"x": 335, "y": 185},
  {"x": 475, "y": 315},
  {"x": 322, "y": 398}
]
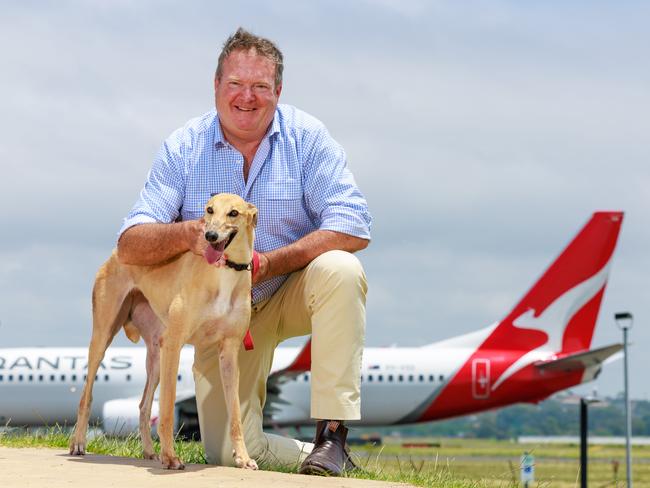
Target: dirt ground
[{"x": 50, "y": 468}]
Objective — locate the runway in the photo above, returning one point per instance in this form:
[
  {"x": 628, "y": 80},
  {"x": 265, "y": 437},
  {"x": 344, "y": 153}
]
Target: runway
[{"x": 46, "y": 468}]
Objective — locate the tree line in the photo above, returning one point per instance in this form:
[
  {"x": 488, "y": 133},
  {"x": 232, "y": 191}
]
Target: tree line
[{"x": 556, "y": 416}]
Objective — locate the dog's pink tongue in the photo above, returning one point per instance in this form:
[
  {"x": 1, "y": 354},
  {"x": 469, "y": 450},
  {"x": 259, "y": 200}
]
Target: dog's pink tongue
[{"x": 213, "y": 255}]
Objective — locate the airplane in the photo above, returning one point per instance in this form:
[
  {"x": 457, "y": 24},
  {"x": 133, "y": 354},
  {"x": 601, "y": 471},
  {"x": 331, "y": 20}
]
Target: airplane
[{"x": 540, "y": 347}]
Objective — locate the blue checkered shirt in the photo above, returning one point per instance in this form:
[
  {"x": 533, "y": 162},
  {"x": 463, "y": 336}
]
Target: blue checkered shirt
[{"x": 299, "y": 181}]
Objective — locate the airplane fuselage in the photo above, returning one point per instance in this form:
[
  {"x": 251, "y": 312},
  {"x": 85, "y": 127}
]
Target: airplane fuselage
[{"x": 42, "y": 386}]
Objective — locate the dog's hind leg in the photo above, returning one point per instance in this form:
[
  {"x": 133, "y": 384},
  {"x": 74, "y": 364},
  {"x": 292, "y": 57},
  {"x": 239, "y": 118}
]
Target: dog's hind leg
[
  {"x": 111, "y": 305},
  {"x": 150, "y": 328},
  {"x": 229, "y": 368}
]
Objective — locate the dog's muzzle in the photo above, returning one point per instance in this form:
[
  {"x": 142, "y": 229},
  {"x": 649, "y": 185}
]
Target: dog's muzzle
[{"x": 211, "y": 236}]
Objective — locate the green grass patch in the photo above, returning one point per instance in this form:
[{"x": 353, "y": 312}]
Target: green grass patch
[{"x": 456, "y": 463}]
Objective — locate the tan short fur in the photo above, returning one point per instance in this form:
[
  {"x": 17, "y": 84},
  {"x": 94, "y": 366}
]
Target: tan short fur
[{"x": 182, "y": 301}]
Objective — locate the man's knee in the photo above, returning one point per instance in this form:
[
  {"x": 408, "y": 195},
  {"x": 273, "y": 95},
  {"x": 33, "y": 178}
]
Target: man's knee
[{"x": 341, "y": 268}]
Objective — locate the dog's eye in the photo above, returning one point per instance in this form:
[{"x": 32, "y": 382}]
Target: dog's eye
[
  {"x": 233, "y": 213},
  {"x": 209, "y": 210}
]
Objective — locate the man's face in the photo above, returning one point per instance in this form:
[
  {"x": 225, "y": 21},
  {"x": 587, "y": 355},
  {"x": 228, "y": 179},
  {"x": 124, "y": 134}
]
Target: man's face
[{"x": 246, "y": 96}]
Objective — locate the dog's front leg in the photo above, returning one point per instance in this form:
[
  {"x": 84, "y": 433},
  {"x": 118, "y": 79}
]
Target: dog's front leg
[
  {"x": 229, "y": 369},
  {"x": 170, "y": 351}
]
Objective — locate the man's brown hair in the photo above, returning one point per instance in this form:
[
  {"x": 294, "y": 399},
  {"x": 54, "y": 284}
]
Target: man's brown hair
[{"x": 245, "y": 41}]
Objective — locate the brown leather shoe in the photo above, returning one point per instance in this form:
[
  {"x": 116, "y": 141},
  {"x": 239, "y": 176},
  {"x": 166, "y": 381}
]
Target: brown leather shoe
[{"x": 329, "y": 457}]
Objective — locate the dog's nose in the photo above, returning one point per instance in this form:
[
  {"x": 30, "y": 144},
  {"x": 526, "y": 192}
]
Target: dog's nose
[{"x": 211, "y": 236}]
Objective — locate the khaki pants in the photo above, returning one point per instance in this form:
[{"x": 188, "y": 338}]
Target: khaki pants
[{"x": 326, "y": 299}]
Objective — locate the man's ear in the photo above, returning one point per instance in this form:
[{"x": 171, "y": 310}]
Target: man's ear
[{"x": 252, "y": 214}]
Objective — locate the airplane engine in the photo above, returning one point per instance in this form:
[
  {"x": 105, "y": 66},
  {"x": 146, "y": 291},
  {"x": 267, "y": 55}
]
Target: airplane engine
[{"x": 122, "y": 417}]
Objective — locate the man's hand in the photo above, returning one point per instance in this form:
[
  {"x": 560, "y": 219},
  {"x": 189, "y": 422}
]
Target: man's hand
[
  {"x": 263, "y": 270},
  {"x": 195, "y": 236}
]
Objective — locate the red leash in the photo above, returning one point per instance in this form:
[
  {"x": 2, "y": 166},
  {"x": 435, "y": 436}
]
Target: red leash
[{"x": 248, "y": 338}]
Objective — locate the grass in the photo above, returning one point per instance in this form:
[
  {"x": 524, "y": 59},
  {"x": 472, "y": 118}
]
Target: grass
[{"x": 457, "y": 463}]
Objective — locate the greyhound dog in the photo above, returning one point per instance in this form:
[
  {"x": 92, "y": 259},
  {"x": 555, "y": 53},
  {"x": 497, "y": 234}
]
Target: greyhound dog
[{"x": 192, "y": 300}]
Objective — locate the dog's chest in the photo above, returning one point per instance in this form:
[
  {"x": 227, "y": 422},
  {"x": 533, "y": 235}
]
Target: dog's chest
[
  {"x": 225, "y": 316},
  {"x": 221, "y": 306}
]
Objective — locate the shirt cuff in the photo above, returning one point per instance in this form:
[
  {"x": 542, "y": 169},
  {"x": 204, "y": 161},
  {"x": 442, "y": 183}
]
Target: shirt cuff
[{"x": 351, "y": 223}]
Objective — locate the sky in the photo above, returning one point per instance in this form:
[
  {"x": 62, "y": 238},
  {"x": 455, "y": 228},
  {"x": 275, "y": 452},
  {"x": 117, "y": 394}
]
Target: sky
[{"x": 483, "y": 134}]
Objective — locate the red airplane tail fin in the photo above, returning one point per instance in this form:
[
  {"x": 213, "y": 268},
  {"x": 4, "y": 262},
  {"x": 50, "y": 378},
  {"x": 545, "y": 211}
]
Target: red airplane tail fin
[
  {"x": 549, "y": 329},
  {"x": 559, "y": 312}
]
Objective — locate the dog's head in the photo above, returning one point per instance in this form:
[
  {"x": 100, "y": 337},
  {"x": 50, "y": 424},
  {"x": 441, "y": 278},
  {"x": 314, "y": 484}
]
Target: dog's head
[{"x": 226, "y": 216}]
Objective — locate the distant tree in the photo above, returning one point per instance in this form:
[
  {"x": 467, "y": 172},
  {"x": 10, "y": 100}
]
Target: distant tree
[{"x": 551, "y": 417}]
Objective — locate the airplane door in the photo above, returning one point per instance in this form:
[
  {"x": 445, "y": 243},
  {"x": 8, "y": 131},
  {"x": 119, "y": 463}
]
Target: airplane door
[{"x": 481, "y": 378}]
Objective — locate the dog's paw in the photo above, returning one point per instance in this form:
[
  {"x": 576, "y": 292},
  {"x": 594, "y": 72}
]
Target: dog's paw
[
  {"x": 172, "y": 462},
  {"x": 246, "y": 463},
  {"x": 151, "y": 455},
  {"x": 77, "y": 448}
]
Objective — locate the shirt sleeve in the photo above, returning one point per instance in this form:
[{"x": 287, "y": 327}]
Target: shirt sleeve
[
  {"x": 331, "y": 193},
  {"x": 163, "y": 193}
]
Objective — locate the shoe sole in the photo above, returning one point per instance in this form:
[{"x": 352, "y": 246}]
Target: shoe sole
[{"x": 316, "y": 470}]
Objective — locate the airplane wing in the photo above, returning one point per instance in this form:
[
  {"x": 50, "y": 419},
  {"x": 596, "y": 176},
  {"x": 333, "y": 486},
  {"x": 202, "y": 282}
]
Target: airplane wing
[
  {"x": 274, "y": 402},
  {"x": 580, "y": 360}
]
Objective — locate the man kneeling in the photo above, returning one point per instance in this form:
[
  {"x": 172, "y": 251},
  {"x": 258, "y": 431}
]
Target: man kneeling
[{"x": 311, "y": 218}]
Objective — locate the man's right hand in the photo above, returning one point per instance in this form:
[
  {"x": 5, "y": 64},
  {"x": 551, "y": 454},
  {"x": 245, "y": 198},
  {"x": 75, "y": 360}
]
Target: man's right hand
[{"x": 195, "y": 236}]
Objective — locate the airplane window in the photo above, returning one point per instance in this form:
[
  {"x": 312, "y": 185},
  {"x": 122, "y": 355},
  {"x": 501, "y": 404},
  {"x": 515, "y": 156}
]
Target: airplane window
[
  {"x": 441, "y": 378},
  {"x": 40, "y": 377},
  {"x": 74, "y": 377},
  {"x": 421, "y": 378},
  {"x": 1, "y": 377},
  {"x": 10, "y": 377},
  {"x": 85, "y": 376},
  {"x": 400, "y": 378},
  {"x": 410, "y": 378},
  {"x": 20, "y": 377},
  {"x": 361, "y": 378},
  {"x": 380, "y": 377},
  {"x": 431, "y": 378},
  {"x": 96, "y": 377},
  {"x": 128, "y": 377},
  {"x": 179, "y": 377},
  {"x": 305, "y": 377},
  {"x": 62, "y": 377},
  {"x": 52, "y": 377},
  {"x": 105, "y": 377},
  {"x": 369, "y": 377},
  {"x": 31, "y": 377},
  {"x": 390, "y": 378}
]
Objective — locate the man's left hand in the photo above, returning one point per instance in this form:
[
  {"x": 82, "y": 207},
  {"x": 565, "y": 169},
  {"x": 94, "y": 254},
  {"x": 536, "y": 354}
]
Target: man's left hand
[{"x": 263, "y": 270}]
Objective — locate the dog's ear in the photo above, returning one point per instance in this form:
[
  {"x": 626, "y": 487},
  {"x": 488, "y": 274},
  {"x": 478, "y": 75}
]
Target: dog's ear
[{"x": 252, "y": 215}]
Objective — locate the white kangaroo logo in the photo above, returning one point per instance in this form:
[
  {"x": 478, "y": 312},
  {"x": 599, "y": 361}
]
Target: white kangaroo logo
[{"x": 554, "y": 320}]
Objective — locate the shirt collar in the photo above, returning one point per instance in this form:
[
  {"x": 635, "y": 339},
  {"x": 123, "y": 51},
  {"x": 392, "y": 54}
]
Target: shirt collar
[{"x": 220, "y": 140}]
